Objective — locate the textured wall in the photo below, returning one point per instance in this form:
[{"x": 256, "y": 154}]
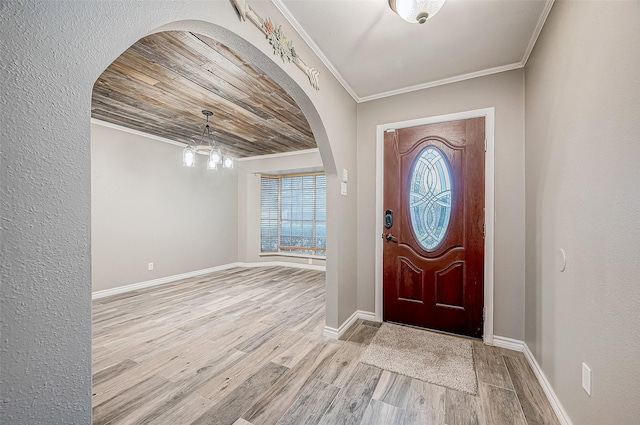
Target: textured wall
[
  {"x": 505, "y": 92},
  {"x": 52, "y": 53},
  {"x": 582, "y": 186},
  {"x": 147, "y": 207}
]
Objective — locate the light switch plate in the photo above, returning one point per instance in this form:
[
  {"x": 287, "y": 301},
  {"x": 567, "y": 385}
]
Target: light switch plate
[
  {"x": 343, "y": 189},
  {"x": 345, "y": 175},
  {"x": 586, "y": 378}
]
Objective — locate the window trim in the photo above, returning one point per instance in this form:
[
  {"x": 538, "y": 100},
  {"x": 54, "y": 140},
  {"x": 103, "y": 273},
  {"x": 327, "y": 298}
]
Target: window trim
[
  {"x": 279, "y": 252},
  {"x": 291, "y": 254}
]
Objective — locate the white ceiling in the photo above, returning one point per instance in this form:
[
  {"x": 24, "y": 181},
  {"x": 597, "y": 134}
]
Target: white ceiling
[{"x": 374, "y": 53}]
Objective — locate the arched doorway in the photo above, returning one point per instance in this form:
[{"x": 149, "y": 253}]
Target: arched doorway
[
  {"x": 46, "y": 274},
  {"x": 113, "y": 100}
]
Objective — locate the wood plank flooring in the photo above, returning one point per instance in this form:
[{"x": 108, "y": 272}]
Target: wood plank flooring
[{"x": 245, "y": 347}]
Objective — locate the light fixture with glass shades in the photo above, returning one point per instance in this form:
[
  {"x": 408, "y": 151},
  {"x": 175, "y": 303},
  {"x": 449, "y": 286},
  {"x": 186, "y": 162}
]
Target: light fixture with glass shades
[
  {"x": 416, "y": 11},
  {"x": 207, "y": 146},
  {"x": 189, "y": 156},
  {"x": 227, "y": 162}
]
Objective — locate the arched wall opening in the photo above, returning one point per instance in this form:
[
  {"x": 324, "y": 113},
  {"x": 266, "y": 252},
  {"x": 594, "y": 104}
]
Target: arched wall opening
[
  {"x": 158, "y": 220},
  {"x": 252, "y": 54},
  {"x": 46, "y": 283}
]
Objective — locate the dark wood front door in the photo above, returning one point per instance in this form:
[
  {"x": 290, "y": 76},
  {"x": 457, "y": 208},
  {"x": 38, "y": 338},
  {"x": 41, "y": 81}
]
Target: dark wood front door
[{"x": 433, "y": 255}]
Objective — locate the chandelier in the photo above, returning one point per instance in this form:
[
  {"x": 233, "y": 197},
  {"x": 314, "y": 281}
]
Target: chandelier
[
  {"x": 207, "y": 146},
  {"x": 416, "y": 11}
]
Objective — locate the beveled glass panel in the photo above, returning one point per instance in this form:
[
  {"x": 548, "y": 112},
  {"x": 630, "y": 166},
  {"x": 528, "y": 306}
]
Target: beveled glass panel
[{"x": 430, "y": 197}]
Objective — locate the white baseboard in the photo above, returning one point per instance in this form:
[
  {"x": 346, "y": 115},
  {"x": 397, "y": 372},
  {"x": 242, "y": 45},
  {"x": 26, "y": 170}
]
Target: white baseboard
[
  {"x": 160, "y": 281},
  {"x": 521, "y": 346},
  {"x": 367, "y": 315},
  {"x": 168, "y": 279},
  {"x": 358, "y": 314},
  {"x": 283, "y": 264},
  {"x": 508, "y": 343},
  {"x": 546, "y": 386}
]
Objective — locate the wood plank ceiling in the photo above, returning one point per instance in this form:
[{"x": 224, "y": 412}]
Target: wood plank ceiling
[{"x": 161, "y": 84}]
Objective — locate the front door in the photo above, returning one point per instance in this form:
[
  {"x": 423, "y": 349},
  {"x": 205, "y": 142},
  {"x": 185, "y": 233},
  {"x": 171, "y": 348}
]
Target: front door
[{"x": 433, "y": 255}]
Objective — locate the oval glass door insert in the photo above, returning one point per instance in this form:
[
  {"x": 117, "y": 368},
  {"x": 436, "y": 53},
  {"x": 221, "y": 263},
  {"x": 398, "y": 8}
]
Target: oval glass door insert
[{"x": 430, "y": 197}]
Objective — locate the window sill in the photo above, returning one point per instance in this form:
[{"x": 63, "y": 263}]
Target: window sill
[{"x": 286, "y": 254}]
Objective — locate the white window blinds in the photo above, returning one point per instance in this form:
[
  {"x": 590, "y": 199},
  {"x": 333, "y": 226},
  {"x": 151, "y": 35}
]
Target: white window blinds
[{"x": 293, "y": 216}]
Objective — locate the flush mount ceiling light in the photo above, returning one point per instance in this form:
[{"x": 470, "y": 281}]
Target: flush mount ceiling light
[
  {"x": 207, "y": 146},
  {"x": 416, "y": 11}
]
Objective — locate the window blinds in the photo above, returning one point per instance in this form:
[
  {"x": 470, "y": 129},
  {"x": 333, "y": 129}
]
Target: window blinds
[{"x": 293, "y": 214}]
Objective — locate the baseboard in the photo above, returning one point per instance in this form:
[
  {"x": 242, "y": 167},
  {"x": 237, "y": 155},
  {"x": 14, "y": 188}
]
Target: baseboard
[
  {"x": 159, "y": 281},
  {"x": 546, "y": 386},
  {"x": 358, "y": 314},
  {"x": 168, "y": 279},
  {"x": 508, "y": 343},
  {"x": 521, "y": 346},
  {"x": 367, "y": 315},
  {"x": 337, "y": 333},
  {"x": 284, "y": 264}
]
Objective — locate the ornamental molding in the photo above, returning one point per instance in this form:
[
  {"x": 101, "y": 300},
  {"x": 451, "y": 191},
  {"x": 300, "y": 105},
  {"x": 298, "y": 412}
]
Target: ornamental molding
[{"x": 274, "y": 34}]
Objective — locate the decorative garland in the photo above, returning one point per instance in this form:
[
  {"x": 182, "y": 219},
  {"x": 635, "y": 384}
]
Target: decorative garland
[{"x": 281, "y": 46}]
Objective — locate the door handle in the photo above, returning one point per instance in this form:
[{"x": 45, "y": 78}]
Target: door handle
[{"x": 390, "y": 238}]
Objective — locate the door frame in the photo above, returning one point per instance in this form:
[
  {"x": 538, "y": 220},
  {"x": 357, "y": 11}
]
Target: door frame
[{"x": 489, "y": 204}]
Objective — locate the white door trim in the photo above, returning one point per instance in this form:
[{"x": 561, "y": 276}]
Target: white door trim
[{"x": 489, "y": 210}]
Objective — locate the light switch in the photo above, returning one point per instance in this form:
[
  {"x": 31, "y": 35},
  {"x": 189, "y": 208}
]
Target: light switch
[
  {"x": 343, "y": 188},
  {"x": 586, "y": 378},
  {"x": 345, "y": 175}
]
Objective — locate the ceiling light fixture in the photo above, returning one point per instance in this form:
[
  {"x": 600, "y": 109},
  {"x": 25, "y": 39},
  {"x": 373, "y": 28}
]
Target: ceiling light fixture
[
  {"x": 416, "y": 11},
  {"x": 228, "y": 161},
  {"x": 206, "y": 147}
]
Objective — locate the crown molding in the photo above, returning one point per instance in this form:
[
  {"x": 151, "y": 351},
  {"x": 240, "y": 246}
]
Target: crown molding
[
  {"x": 314, "y": 47},
  {"x": 444, "y": 81},
  {"x": 136, "y": 132},
  {"x": 516, "y": 65},
  {"x": 536, "y": 32},
  {"x": 173, "y": 142},
  {"x": 278, "y": 155}
]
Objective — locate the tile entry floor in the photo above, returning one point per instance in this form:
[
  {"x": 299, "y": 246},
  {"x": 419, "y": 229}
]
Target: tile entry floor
[{"x": 244, "y": 346}]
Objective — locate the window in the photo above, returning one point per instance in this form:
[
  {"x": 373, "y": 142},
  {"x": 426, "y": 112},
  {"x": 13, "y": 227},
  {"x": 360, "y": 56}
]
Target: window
[
  {"x": 293, "y": 214},
  {"x": 430, "y": 197}
]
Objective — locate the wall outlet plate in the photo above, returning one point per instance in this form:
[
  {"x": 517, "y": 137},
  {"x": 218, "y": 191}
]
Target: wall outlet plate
[
  {"x": 586, "y": 378},
  {"x": 150, "y": 266}
]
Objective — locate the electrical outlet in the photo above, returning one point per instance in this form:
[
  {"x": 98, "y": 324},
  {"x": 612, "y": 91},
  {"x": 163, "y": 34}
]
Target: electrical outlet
[
  {"x": 586, "y": 378},
  {"x": 150, "y": 266},
  {"x": 310, "y": 260}
]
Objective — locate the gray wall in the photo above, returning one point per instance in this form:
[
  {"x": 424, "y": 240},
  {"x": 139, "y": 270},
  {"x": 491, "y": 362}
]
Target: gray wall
[
  {"x": 582, "y": 185},
  {"x": 147, "y": 207},
  {"x": 505, "y": 92},
  {"x": 52, "y": 53},
  {"x": 249, "y": 202}
]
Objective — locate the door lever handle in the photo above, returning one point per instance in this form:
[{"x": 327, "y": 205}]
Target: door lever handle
[{"x": 390, "y": 238}]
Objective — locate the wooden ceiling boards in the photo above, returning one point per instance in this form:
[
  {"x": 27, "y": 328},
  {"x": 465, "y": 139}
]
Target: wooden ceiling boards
[{"x": 161, "y": 84}]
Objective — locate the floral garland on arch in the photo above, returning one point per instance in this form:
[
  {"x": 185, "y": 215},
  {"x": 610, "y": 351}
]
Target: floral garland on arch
[
  {"x": 278, "y": 40},
  {"x": 281, "y": 46}
]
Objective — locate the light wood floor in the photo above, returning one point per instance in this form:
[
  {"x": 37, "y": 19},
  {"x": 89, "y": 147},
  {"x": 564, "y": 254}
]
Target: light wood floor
[{"x": 245, "y": 347}]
